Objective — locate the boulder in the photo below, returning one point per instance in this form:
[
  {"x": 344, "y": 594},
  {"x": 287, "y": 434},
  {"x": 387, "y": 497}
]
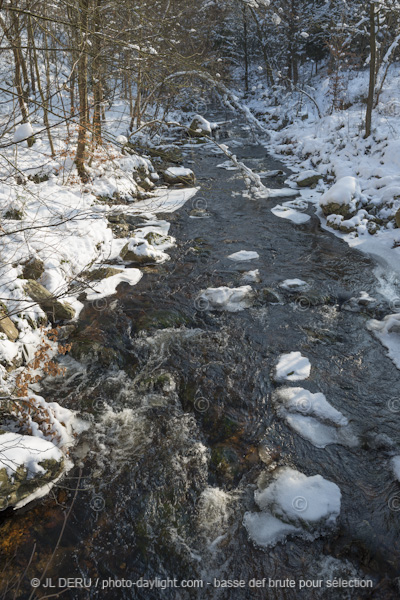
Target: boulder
[
  {"x": 33, "y": 269},
  {"x": 55, "y": 310},
  {"x": 7, "y": 326},
  {"x": 199, "y": 127},
  {"x": 307, "y": 179},
  {"x": 101, "y": 273},
  {"x": 179, "y": 175},
  {"x": 30, "y": 463}
]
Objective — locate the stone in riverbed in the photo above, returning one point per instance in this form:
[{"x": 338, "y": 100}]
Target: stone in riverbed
[
  {"x": 307, "y": 179},
  {"x": 55, "y": 310},
  {"x": 179, "y": 175}
]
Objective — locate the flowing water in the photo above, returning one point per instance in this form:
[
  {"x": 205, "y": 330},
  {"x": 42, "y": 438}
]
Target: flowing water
[{"x": 182, "y": 423}]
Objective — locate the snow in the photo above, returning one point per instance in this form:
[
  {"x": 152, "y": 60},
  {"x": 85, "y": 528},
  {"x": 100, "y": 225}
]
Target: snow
[
  {"x": 179, "y": 172},
  {"x": 243, "y": 255},
  {"x": 266, "y": 530},
  {"x": 318, "y": 433},
  {"x": 292, "y": 367},
  {"x": 388, "y": 333},
  {"x": 293, "y": 504},
  {"x": 225, "y": 298},
  {"x": 8, "y": 351},
  {"x": 288, "y": 212},
  {"x": 300, "y": 400},
  {"x": 27, "y": 450},
  {"x": 108, "y": 286},
  {"x": 22, "y": 132},
  {"x": 294, "y": 285},
  {"x": 205, "y": 126},
  {"x": 344, "y": 191},
  {"x": 296, "y": 498}
]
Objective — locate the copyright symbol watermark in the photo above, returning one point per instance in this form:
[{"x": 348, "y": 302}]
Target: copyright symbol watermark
[
  {"x": 35, "y": 582},
  {"x": 300, "y": 504},
  {"x": 303, "y": 405},
  {"x": 199, "y": 203},
  {"x": 395, "y": 305},
  {"x": 99, "y": 404},
  {"x": 97, "y": 503},
  {"x": 201, "y": 404},
  {"x": 394, "y": 405},
  {"x": 394, "y": 503},
  {"x": 201, "y": 303},
  {"x": 100, "y": 304},
  {"x": 302, "y": 304}
]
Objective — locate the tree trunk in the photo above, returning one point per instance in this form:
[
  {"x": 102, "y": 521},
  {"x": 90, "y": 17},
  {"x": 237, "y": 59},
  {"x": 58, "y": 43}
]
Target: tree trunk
[
  {"x": 97, "y": 77},
  {"x": 372, "y": 70},
  {"x": 82, "y": 91}
]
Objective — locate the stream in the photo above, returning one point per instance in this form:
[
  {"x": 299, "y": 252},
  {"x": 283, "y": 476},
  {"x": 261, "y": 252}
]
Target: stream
[{"x": 183, "y": 424}]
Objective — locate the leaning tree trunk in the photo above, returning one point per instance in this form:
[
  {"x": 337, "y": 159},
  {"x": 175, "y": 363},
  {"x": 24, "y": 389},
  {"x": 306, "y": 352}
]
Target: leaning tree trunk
[{"x": 372, "y": 70}]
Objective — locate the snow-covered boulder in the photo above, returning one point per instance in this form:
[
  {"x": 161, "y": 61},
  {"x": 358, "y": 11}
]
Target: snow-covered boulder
[
  {"x": 342, "y": 199},
  {"x": 307, "y": 178},
  {"x": 138, "y": 250},
  {"x": 293, "y": 504},
  {"x": 179, "y": 175},
  {"x": 28, "y": 465},
  {"x": 199, "y": 127}
]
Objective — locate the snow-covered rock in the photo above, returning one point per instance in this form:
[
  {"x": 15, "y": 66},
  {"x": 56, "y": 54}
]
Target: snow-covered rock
[
  {"x": 179, "y": 175},
  {"x": 293, "y": 504},
  {"x": 251, "y": 276},
  {"x": 292, "y": 367},
  {"x": 342, "y": 198},
  {"x": 28, "y": 463},
  {"x": 307, "y": 178},
  {"x": 200, "y": 127}
]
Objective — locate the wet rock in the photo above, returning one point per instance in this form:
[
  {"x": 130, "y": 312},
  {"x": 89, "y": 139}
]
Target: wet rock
[
  {"x": 56, "y": 310},
  {"x": 33, "y": 269},
  {"x": 333, "y": 208},
  {"x": 270, "y": 296},
  {"x": 99, "y": 274},
  {"x": 307, "y": 179}
]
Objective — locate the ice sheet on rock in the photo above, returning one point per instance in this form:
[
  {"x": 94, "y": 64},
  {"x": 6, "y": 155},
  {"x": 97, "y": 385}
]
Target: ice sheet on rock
[
  {"x": 292, "y": 367},
  {"x": 228, "y": 165},
  {"x": 300, "y": 400},
  {"x": 290, "y": 213},
  {"x": 107, "y": 287},
  {"x": 163, "y": 200},
  {"x": 298, "y": 499},
  {"x": 388, "y": 333},
  {"x": 225, "y": 298},
  {"x": 266, "y": 530},
  {"x": 243, "y": 255},
  {"x": 319, "y": 434},
  {"x": 294, "y": 285}
]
